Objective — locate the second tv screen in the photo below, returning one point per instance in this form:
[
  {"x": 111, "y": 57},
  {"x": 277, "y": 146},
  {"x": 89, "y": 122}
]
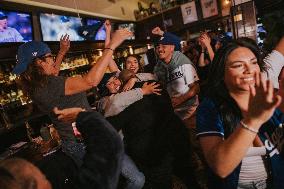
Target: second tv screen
[
  {"x": 130, "y": 27},
  {"x": 100, "y": 29},
  {"x": 54, "y": 26}
]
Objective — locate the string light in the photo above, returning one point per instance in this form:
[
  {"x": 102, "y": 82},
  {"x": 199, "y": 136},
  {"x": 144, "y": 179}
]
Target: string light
[{"x": 227, "y": 2}]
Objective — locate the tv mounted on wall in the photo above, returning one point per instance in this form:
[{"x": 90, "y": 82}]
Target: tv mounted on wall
[
  {"x": 54, "y": 26},
  {"x": 99, "y": 32},
  {"x": 15, "y": 26},
  {"x": 130, "y": 27}
]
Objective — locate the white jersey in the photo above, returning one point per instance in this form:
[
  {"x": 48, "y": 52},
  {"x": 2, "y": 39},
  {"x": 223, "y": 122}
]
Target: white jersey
[
  {"x": 178, "y": 83},
  {"x": 10, "y": 35},
  {"x": 179, "y": 79},
  {"x": 178, "y": 75},
  {"x": 275, "y": 63}
]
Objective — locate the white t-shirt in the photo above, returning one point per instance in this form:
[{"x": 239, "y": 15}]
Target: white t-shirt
[{"x": 275, "y": 62}]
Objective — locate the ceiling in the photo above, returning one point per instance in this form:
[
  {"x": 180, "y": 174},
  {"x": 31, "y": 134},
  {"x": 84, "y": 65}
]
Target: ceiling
[{"x": 115, "y": 9}]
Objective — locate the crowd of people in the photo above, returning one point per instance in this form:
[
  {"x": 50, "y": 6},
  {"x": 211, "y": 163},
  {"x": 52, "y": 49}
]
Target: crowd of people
[{"x": 209, "y": 114}]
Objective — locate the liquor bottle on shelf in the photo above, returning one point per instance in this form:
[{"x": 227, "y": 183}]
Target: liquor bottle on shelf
[
  {"x": 2, "y": 76},
  {"x": 13, "y": 95},
  {"x": 12, "y": 77},
  {"x": 30, "y": 131},
  {"x": 4, "y": 118},
  {"x": 45, "y": 133},
  {"x": 54, "y": 134},
  {"x": 24, "y": 99}
]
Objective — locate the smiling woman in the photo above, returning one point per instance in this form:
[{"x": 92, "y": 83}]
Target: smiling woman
[
  {"x": 38, "y": 77},
  {"x": 240, "y": 69},
  {"x": 133, "y": 64},
  {"x": 113, "y": 84},
  {"x": 234, "y": 121}
]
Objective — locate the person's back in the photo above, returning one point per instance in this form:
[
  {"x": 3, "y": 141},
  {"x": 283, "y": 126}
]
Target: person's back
[
  {"x": 155, "y": 137},
  {"x": 100, "y": 169}
]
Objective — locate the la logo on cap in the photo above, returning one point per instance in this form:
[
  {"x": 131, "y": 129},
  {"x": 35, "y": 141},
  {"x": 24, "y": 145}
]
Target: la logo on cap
[
  {"x": 34, "y": 53},
  {"x": 162, "y": 38}
]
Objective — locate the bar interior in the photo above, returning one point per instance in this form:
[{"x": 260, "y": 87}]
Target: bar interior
[{"x": 132, "y": 94}]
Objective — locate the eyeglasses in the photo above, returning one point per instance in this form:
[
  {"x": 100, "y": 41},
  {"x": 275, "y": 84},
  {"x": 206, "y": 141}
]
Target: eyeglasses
[
  {"x": 44, "y": 57},
  {"x": 49, "y": 56}
]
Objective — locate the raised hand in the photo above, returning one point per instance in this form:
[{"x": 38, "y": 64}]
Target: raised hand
[
  {"x": 118, "y": 37},
  {"x": 157, "y": 31},
  {"x": 262, "y": 102},
  {"x": 205, "y": 40},
  {"x": 201, "y": 44},
  {"x": 151, "y": 88},
  {"x": 64, "y": 44},
  {"x": 107, "y": 25}
]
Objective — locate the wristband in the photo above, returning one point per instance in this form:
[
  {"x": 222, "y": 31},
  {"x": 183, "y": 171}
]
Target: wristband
[
  {"x": 255, "y": 131},
  {"x": 63, "y": 54},
  {"x": 109, "y": 48}
]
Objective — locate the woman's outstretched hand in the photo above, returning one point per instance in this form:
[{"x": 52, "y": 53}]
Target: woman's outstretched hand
[
  {"x": 263, "y": 101},
  {"x": 64, "y": 44},
  {"x": 151, "y": 88}
]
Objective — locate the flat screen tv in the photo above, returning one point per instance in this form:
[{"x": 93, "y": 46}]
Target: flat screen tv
[
  {"x": 15, "y": 26},
  {"x": 130, "y": 27},
  {"x": 99, "y": 29},
  {"x": 54, "y": 26},
  {"x": 261, "y": 33}
]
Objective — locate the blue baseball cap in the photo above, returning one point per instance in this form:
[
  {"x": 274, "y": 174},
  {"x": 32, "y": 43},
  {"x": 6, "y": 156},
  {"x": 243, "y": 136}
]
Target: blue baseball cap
[
  {"x": 3, "y": 16},
  {"x": 170, "y": 39},
  {"x": 27, "y": 52}
]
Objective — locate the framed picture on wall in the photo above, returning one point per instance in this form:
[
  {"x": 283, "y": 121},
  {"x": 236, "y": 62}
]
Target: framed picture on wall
[
  {"x": 189, "y": 13},
  {"x": 209, "y": 8}
]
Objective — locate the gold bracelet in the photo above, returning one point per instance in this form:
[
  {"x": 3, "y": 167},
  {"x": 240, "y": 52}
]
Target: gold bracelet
[{"x": 255, "y": 131}]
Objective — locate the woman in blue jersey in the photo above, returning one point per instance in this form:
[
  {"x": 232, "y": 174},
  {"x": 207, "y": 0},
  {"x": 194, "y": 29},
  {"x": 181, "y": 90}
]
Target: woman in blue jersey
[{"x": 239, "y": 123}]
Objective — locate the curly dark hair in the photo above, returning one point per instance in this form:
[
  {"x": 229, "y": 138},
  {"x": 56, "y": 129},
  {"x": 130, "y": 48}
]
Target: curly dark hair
[{"x": 216, "y": 88}]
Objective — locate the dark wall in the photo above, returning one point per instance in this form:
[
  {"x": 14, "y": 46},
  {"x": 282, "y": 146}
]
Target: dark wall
[{"x": 145, "y": 26}]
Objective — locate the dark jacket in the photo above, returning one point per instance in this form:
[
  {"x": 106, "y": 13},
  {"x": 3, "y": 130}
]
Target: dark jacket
[
  {"x": 155, "y": 138},
  {"x": 102, "y": 161}
]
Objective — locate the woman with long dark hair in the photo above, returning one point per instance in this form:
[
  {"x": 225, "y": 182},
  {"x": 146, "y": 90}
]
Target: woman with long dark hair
[{"x": 238, "y": 121}]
